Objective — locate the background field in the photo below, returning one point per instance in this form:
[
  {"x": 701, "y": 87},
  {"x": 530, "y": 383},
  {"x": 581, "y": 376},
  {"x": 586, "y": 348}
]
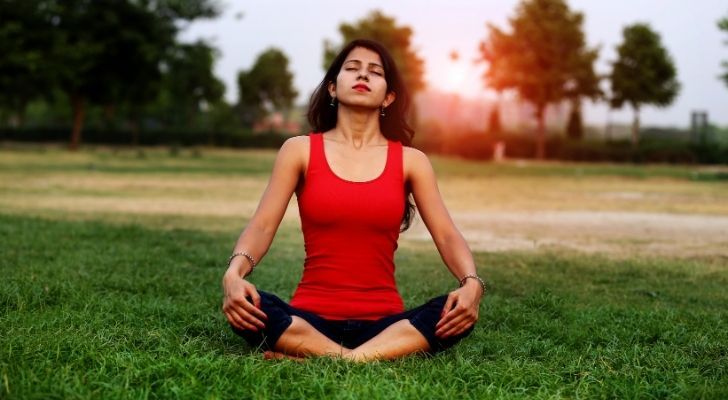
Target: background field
[{"x": 605, "y": 280}]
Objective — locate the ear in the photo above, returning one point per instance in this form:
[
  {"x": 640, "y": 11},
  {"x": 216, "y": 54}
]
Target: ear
[
  {"x": 331, "y": 88},
  {"x": 389, "y": 99}
]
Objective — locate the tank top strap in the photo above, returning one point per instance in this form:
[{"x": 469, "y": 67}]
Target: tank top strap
[
  {"x": 395, "y": 162},
  {"x": 316, "y": 151}
]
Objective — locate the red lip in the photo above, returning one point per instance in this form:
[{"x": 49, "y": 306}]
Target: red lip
[{"x": 362, "y": 86}]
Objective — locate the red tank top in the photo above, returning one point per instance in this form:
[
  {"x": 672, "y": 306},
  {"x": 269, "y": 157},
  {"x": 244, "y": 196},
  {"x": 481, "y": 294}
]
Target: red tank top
[{"x": 350, "y": 230}]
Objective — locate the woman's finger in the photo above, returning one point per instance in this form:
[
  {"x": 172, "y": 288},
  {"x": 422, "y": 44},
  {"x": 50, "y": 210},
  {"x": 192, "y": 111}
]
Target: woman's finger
[
  {"x": 447, "y": 318},
  {"x": 448, "y": 304},
  {"x": 460, "y": 328},
  {"x": 252, "y": 309},
  {"x": 240, "y": 323},
  {"x": 447, "y": 309},
  {"x": 451, "y": 314},
  {"x": 450, "y": 324},
  {"x": 255, "y": 296},
  {"x": 248, "y": 318}
]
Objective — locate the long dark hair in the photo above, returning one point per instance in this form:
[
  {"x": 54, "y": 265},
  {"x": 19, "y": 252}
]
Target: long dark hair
[{"x": 393, "y": 125}]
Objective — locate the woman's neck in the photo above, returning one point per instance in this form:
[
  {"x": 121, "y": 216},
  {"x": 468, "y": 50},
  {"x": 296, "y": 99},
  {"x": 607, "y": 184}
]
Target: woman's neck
[{"x": 358, "y": 128}]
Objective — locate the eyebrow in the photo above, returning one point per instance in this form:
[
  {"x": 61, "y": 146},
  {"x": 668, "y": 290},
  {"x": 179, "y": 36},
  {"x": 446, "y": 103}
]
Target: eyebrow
[{"x": 358, "y": 61}]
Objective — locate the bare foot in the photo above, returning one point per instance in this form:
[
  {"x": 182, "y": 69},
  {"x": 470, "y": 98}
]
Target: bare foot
[{"x": 274, "y": 355}]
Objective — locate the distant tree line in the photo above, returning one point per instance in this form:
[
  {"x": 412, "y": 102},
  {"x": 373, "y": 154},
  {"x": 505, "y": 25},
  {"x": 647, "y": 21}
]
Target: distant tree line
[
  {"x": 545, "y": 60},
  {"x": 723, "y": 25},
  {"x": 123, "y": 60},
  {"x": 122, "y": 57}
]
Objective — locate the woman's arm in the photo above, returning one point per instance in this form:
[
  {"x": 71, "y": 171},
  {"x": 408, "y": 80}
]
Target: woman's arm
[
  {"x": 256, "y": 238},
  {"x": 461, "y": 308}
]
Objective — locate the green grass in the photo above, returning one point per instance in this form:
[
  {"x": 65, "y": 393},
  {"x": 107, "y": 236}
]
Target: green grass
[
  {"x": 95, "y": 310},
  {"x": 142, "y": 161},
  {"x": 38, "y": 158},
  {"x": 576, "y": 170}
]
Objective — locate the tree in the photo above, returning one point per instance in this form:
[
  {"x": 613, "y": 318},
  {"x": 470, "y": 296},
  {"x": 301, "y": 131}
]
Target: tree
[
  {"x": 644, "y": 73},
  {"x": 494, "y": 122},
  {"x": 188, "y": 82},
  {"x": 723, "y": 25},
  {"x": 496, "y": 53},
  {"x": 25, "y": 42},
  {"x": 103, "y": 52},
  {"x": 397, "y": 39},
  {"x": 585, "y": 83},
  {"x": 268, "y": 85},
  {"x": 544, "y": 57}
]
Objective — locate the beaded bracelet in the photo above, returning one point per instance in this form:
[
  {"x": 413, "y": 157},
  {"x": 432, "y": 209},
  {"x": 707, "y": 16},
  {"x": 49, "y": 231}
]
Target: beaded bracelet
[
  {"x": 246, "y": 255},
  {"x": 482, "y": 283}
]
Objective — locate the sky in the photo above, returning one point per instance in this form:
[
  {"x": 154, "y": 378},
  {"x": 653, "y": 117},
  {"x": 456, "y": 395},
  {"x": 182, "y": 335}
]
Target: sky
[{"x": 688, "y": 30}]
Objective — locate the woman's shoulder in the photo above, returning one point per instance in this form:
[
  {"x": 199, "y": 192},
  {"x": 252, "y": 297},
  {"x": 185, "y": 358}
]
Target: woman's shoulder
[
  {"x": 297, "y": 140},
  {"x": 297, "y": 144},
  {"x": 414, "y": 161},
  {"x": 414, "y": 156},
  {"x": 294, "y": 150}
]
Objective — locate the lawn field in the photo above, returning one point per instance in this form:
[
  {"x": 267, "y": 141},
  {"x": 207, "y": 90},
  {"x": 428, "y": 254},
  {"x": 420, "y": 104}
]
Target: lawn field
[{"x": 606, "y": 281}]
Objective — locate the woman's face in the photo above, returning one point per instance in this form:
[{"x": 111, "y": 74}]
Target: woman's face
[{"x": 361, "y": 81}]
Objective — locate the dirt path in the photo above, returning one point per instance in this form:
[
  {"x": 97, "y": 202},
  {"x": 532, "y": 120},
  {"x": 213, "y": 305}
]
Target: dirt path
[
  {"x": 613, "y": 233},
  {"x": 544, "y": 207}
]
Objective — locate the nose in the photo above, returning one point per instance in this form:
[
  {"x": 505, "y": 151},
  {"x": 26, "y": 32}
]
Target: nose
[{"x": 364, "y": 75}]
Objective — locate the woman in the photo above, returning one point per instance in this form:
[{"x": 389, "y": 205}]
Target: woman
[{"x": 352, "y": 177}]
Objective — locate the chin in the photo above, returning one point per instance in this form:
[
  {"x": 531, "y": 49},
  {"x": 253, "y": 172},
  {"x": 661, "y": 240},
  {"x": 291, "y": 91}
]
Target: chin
[{"x": 360, "y": 105}]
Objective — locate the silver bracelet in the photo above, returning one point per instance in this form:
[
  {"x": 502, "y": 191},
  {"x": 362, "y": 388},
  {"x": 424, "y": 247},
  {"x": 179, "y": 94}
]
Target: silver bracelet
[
  {"x": 482, "y": 283},
  {"x": 246, "y": 255}
]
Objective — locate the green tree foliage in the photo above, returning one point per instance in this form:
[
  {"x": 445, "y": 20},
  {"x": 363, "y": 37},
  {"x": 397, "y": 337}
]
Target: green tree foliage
[
  {"x": 397, "y": 39},
  {"x": 188, "y": 83},
  {"x": 644, "y": 73},
  {"x": 723, "y": 25},
  {"x": 267, "y": 86},
  {"x": 104, "y": 52},
  {"x": 544, "y": 58},
  {"x": 25, "y": 42}
]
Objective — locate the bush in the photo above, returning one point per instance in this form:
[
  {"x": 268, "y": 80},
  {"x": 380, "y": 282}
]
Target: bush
[
  {"x": 171, "y": 137},
  {"x": 471, "y": 144},
  {"x": 480, "y": 145}
]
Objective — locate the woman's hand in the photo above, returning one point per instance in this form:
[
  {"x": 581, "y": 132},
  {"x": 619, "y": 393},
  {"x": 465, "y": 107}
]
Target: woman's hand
[
  {"x": 460, "y": 311},
  {"x": 240, "y": 312}
]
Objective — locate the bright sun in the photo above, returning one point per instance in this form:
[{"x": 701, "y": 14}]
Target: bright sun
[{"x": 455, "y": 77}]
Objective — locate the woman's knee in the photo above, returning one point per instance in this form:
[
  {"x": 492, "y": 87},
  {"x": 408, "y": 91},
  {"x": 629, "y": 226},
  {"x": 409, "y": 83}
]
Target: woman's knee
[
  {"x": 425, "y": 319},
  {"x": 278, "y": 319}
]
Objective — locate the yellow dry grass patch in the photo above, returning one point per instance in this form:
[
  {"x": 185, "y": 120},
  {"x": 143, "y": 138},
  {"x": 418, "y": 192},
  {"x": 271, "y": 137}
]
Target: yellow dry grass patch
[{"x": 618, "y": 216}]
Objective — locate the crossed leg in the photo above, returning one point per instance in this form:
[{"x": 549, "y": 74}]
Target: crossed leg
[
  {"x": 301, "y": 339},
  {"x": 397, "y": 340}
]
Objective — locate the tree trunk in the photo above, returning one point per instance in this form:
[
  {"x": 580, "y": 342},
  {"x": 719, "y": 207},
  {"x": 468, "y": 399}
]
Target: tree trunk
[
  {"x": 135, "y": 131},
  {"x": 636, "y": 126},
  {"x": 78, "y": 104},
  {"x": 494, "y": 119},
  {"x": 575, "y": 126},
  {"x": 541, "y": 133},
  {"x": 494, "y": 124},
  {"x": 18, "y": 120}
]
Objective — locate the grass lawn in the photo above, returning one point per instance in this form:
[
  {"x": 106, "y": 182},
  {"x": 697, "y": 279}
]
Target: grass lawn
[{"x": 104, "y": 302}]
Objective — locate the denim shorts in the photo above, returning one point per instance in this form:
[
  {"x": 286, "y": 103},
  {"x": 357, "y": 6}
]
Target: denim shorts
[{"x": 349, "y": 333}]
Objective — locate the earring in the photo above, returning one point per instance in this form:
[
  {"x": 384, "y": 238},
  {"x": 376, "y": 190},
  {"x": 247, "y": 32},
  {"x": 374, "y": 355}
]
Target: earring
[
  {"x": 382, "y": 113},
  {"x": 333, "y": 102}
]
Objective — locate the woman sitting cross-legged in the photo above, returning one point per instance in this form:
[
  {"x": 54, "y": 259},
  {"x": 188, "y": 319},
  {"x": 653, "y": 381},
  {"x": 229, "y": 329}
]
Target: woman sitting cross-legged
[{"x": 353, "y": 177}]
